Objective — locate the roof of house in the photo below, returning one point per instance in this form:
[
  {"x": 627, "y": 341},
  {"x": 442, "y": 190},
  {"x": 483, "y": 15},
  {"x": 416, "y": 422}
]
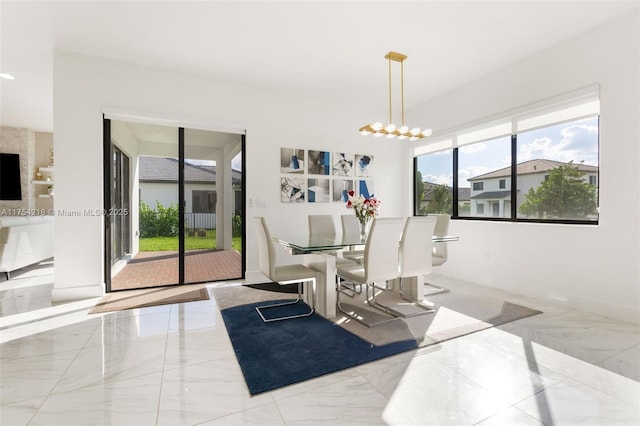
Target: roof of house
[
  {"x": 161, "y": 169},
  {"x": 463, "y": 193},
  {"x": 532, "y": 166},
  {"x": 492, "y": 195}
]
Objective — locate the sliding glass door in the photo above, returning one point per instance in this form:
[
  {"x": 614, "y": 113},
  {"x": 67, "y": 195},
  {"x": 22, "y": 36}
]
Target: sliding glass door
[
  {"x": 120, "y": 206},
  {"x": 186, "y": 206}
]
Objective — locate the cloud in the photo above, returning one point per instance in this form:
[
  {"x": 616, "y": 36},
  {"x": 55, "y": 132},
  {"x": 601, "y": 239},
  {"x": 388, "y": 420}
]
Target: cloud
[
  {"x": 578, "y": 143},
  {"x": 439, "y": 179},
  {"x": 473, "y": 171}
]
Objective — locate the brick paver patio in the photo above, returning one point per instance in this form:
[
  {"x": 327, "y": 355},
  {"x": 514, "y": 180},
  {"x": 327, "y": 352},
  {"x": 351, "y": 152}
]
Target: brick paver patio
[{"x": 160, "y": 268}]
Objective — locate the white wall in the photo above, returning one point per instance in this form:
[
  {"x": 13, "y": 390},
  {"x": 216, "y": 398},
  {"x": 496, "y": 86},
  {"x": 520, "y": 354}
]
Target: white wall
[
  {"x": 595, "y": 268},
  {"x": 83, "y": 86}
]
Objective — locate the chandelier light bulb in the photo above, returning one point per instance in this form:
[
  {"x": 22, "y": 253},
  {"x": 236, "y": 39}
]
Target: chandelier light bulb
[
  {"x": 413, "y": 138},
  {"x": 401, "y": 137},
  {"x": 377, "y": 134},
  {"x": 390, "y": 127},
  {"x": 364, "y": 132},
  {"x": 377, "y": 126},
  {"x": 403, "y": 129},
  {"x": 426, "y": 132},
  {"x": 390, "y": 135},
  {"x": 415, "y": 131}
]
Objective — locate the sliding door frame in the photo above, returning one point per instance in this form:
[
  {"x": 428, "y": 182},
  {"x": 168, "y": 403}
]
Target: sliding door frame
[{"x": 107, "y": 202}]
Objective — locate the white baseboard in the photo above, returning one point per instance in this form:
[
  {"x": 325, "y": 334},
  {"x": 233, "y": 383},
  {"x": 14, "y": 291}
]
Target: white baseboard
[{"x": 76, "y": 293}]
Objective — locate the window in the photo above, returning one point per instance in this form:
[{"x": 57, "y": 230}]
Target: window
[
  {"x": 434, "y": 183},
  {"x": 481, "y": 167},
  {"x": 542, "y": 165},
  {"x": 556, "y": 165},
  {"x": 203, "y": 201}
]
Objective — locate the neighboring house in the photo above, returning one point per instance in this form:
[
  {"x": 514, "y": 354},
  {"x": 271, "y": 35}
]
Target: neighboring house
[
  {"x": 491, "y": 192},
  {"x": 159, "y": 183},
  {"x": 427, "y": 196}
]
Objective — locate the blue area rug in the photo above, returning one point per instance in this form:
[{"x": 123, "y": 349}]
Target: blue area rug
[{"x": 281, "y": 353}]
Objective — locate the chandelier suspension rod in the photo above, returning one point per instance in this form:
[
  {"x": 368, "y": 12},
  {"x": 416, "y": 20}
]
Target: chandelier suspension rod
[
  {"x": 390, "y": 115},
  {"x": 391, "y": 130},
  {"x": 402, "y": 88}
]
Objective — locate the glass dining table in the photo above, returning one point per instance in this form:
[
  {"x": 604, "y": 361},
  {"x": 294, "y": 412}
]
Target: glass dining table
[{"x": 329, "y": 248}]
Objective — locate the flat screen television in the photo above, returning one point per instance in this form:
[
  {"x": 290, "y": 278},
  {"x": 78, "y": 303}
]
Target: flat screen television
[{"x": 10, "y": 188}]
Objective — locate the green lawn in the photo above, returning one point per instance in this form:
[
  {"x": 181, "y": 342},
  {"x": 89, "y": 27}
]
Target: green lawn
[{"x": 191, "y": 243}]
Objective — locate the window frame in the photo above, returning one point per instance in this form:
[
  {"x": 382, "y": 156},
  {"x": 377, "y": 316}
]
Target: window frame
[
  {"x": 450, "y": 141},
  {"x": 200, "y": 193}
]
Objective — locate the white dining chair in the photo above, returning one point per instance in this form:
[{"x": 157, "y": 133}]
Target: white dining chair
[
  {"x": 416, "y": 252},
  {"x": 323, "y": 224},
  {"x": 351, "y": 226},
  {"x": 283, "y": 275},
  {"x": 440, "y": 252},
  {"x": 380, "y": 264}
]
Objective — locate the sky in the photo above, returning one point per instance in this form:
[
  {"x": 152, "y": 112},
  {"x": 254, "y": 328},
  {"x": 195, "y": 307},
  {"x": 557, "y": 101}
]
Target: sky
[{"x": 576, "y": 141}]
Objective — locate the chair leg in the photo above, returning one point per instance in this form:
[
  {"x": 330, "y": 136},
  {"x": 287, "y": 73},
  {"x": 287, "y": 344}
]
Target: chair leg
[
  {"x": 420, "y": 303},
  {"x": 353, "y": 315},
  {"x": 312, "y": 309}
]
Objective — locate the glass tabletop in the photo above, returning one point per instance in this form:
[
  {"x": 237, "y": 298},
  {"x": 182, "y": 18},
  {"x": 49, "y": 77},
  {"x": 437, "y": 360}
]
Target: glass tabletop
[{"x": 301, "y": 244}]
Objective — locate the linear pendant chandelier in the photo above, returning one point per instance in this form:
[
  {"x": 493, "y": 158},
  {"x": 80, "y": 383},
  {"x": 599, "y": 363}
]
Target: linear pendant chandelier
[{"x": 403, "y": 131}]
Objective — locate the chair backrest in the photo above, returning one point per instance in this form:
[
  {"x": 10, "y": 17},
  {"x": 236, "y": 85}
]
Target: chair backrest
[
  {"x": 322, "y": 224},
  {"x": 442, "y": 229},
  {"x": 381, "y": 249},
  {"x": 350, "y": 224},
  {"x": 416, "y": 247},
  {"x": 266, "y": 249}
]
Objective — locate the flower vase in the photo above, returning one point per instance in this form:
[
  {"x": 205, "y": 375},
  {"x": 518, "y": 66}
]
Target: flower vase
[{"x": 364, "y": 229}]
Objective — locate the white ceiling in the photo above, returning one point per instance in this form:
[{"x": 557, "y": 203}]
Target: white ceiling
[{"x": 313, "y": 48}]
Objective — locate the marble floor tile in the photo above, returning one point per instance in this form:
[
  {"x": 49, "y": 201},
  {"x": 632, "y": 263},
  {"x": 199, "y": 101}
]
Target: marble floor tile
[
  {"x": 204, "y": 392},
  {"x": 32, "y": 377},
  {"x": 19, "y": 413},
  {"x": 583, "y": 335},
  {"x": 100, "y": 365},
  {"x": 511, "y": 416},
  {"x": 510, "y": 377},
  {"x": 431, "y": 393},
  {"x": 351, "y": 402},
  {"x": 61, "y": 339},
  {"x": 264, "y": 415},
  {"x": 571, "y": 403},
  {"x": 125, "y": 402},
  {"x": 625, "y": 363},
  {"x": 116, "y": 330},
  {"x": 196, "y": 346},
  {"x": 194, "y": 316},
  {"x": 313, "y": 385}
]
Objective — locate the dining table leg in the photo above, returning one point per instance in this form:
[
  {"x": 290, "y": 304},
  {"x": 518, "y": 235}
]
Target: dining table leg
[
  {"x": 325, "y": 285},
  {"x": 413, "y": 288}
]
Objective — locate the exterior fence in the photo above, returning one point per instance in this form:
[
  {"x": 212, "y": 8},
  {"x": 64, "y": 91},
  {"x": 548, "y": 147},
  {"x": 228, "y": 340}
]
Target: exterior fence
[{"x": 199, "y": 220}]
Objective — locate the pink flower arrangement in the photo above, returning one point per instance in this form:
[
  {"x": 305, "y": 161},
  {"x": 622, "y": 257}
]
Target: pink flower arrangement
[{"x": 364, "y": 208}]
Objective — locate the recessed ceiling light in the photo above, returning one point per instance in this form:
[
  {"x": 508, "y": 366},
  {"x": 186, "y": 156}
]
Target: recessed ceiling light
[{"x": 7, "y": 76}]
